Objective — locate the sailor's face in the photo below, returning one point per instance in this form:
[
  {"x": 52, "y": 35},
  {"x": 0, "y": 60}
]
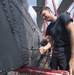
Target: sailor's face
[{"x": 46, "y": 15}]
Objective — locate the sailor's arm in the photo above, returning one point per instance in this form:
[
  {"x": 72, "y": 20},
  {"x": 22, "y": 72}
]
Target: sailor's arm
[
  {"x": 47, "y": 46},
  {"x": 70, "y": 28}
]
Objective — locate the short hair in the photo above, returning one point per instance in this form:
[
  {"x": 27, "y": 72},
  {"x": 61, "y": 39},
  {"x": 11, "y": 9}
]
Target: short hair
[{"x": 45, "y": 8}]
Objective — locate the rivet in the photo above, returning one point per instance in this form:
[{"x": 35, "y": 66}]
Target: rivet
[
  {"x": 3, "y": 69},
  {"x": 5, "y": 9},
  {"x": 20, "y": 39},
  {"x": 0, "y": 70},
  {"x": 3, "y": 3},
  {"x": 14, "y": 19},
  {"x": 16, "y": 30},
  {"x": 11, "y": 9},
  {"x": 18, "y": 64},
  {"x": 12, "y": 68},
  {"x": 7, "y": 15},
  {"x": 15, "y": 25},
  {"x": 10, "y": 5},
  {"x": 19, "y": 28},
  {"x": 13, "y": 31},
  {"x": 8, "y": 19},
  {"x": 16, "y": 3}
]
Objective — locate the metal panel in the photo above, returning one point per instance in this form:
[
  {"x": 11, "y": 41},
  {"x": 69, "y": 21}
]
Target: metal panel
[
  {"x": 16, "y": 36},
  {"x": 64, "y": 5}
]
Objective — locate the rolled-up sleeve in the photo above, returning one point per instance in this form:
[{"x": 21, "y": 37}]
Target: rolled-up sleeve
[{"x": 65, "y": 18}]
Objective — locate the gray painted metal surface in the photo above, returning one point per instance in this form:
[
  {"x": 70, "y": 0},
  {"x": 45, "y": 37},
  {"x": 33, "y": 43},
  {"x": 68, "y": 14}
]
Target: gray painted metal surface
[
  {"x": 40, "y": 5},
  {"x": 19, "y": 36},
  {"x": 64, "y": 6}
]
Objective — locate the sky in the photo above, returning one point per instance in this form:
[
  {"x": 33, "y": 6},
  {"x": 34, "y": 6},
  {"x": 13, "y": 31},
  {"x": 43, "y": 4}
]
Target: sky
[
  {"x": 32, "y": 2},
  {"x": 31, "y": 10},
  {"x": 48, "y": 3}
]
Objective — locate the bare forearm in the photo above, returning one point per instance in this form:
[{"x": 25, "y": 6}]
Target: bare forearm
[
  {"x": 70, "y": 28},
  {"x": 71, "y": 62},
  {"x": 72, "y": 44},
  {"x": 47, "y": 46}
]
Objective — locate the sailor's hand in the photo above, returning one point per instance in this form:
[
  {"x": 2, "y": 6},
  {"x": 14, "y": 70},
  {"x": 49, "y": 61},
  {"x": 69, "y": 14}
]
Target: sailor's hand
[
  {"x": 71, "y": 66},
  {"x": 42, "y": 50}
]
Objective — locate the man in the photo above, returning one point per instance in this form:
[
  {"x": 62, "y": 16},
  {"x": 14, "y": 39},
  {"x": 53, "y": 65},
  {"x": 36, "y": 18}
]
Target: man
[{"x": 61, "y": 30}]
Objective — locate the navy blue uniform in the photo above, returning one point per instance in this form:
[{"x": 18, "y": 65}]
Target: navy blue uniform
[{"x": 62, "y": 50}]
